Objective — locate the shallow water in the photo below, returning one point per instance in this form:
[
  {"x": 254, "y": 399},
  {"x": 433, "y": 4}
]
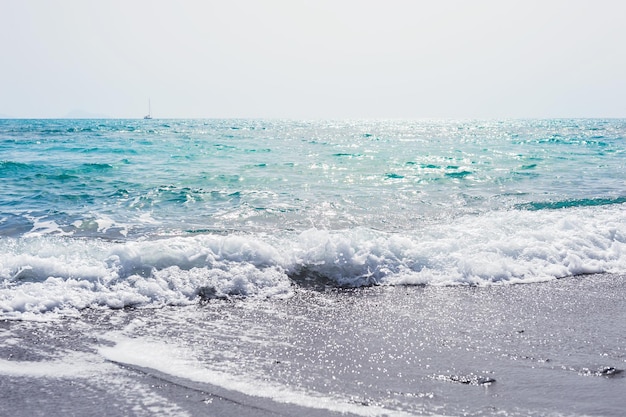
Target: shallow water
[{"x": 545, "y": 349}]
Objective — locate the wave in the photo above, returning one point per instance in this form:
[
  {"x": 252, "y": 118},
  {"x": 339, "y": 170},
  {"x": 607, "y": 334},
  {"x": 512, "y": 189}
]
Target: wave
[
  {"x": 569, "y": 203},
  {"x": 12, "y": 167},
  {"x": 60, "y": 274}
]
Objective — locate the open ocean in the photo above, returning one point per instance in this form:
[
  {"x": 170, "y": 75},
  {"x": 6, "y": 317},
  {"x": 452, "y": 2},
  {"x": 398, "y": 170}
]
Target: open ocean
[{"x": 106, "y": 216}]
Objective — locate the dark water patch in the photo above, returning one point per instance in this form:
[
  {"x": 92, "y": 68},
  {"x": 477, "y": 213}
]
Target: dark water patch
[
  {"x": 529, "y": 166},
  {"x": 313, "y": 280},
  {"x": 512, "y": 194},
  {"x": 312, "y": 277},
  {"x": 584, "y": 202},
  {"x": 15, "y": 167},
  {"x": 422, "y": 165},
  {"x": 76, "y": 129},
  {"x": 183, "y": 157},
  {"x": 222, "y": 146},
  {"x": 347, "y": 155},
  {"x": 262, "y": 150},
  {"x": 120, "y": 151},
  {"x": 459, "y": 174},
  {"x": 62, "y": 177},
  {"x": 96, "y": 167},
  {"x": 526, "y": 174},
  {"x": 210, "y": 231},
  {"x": 392, "y": 175},
  {"x": 315, "y": 142}
]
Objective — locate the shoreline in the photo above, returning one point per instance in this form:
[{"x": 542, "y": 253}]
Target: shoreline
[{"x": 551, "y": 348}]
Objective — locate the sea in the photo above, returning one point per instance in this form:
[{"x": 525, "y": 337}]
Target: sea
[{"x": 108, "y": 217}]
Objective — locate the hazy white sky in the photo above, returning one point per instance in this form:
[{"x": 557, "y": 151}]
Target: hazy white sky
[{"x": 313, "y": 59}]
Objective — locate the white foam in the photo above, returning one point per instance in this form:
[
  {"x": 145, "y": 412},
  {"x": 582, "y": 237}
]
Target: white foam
[
  {"x": 180, "y": 362},
  {"x": 495, "y": 248},
  {"x": 97, "y": 371},
  {"x": 47, "y": 273},
  {"x": 73, "y": 365},
  {"x": 105, "y": 224},
  {"x": 44, "y": 227}
]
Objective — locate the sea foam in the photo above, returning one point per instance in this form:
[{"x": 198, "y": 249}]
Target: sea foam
[{"x": 63, "y": 274}]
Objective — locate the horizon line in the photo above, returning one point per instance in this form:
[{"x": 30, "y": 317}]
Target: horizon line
[{"x": 6, "y": 117}]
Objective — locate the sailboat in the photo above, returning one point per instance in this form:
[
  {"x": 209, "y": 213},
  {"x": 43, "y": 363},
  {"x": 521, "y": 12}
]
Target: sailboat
[{"x": 149, "y": 115}]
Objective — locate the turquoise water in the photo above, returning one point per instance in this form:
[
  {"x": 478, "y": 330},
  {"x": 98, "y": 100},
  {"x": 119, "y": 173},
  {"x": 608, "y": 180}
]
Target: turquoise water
[{"x": 104, "y": 209}]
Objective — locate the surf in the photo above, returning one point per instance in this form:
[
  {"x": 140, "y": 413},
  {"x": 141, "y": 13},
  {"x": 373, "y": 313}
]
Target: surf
[{"x": 56, "y": 273}]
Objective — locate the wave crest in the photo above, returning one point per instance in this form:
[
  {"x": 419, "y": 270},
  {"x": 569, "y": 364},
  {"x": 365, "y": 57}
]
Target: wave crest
[{"x": 44, "y": 273}]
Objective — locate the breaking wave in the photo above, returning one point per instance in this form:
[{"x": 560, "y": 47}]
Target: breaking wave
[{"x": 43, "y": 274}]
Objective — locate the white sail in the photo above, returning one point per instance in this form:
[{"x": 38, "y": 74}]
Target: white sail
[{"x": 149, "y": 115}]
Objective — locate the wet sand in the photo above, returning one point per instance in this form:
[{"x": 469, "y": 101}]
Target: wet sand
[{"x": 546, "y": 349}]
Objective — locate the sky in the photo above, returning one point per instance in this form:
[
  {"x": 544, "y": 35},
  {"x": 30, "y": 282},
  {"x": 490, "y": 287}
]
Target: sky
[{"x": 320, "y": 59}]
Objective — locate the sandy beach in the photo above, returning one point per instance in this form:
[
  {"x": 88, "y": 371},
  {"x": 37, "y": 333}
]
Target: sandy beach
[{"x": 543, "y": 349}]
